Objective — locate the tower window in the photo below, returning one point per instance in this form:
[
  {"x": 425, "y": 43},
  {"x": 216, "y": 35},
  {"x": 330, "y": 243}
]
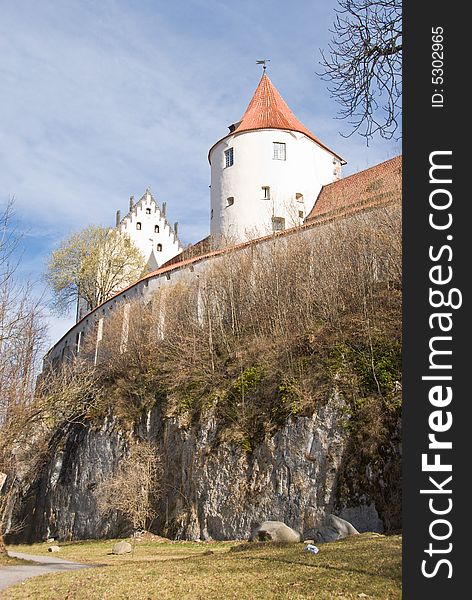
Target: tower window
[
  {"x": 279, "y": 151},
  {"x": 230, "y": 201},
  {"x": 138, "y": 225},
  {"x": 299, "y": 197},
  {"x": 301, "y": 214},
  {"x": 266, "y": 191},
  {"x": 278, "y": 223},
  {"x": 211, "y": 216},
  {"x": 148, "y": 211},
  {"x": 159, "y": 247},
  {"x": 229, "y": 157},
  {"x": 156, "y": 228}
]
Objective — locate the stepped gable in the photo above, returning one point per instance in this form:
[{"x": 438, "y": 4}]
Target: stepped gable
[
  {"x": 380, "y": 184},
  {"x": 268, "y": 110}
]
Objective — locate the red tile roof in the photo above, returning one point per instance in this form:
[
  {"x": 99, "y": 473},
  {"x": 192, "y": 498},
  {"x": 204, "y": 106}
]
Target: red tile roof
[
  {"x": 268, "y": 110},
  {"x": 378, "y": 185},
  {"x": 197, "y": 249}
]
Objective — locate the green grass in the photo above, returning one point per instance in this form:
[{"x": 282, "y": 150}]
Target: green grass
[{"x": 365, "y": 566}]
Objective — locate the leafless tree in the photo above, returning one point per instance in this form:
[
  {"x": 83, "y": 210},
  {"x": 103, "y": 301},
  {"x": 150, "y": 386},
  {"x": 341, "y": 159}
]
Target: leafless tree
[
  {"x": 363, "y": 65},
  {"x": 131, "y": 490},
  {"x": 22, "y": 335}
]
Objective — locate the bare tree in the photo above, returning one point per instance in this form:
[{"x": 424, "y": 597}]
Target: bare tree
[
  {"x": 22, "y": 334},
  {"x": 131, "y": 490},
  {"x": 364, "y": 64},
  {"x": 92, "y": 264}
]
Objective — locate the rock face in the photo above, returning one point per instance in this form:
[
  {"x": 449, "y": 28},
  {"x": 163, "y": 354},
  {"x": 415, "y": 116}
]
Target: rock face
[
  {"x": 274, "y": 531},
  {"x": 210, "y": 489},
  {"x": 121, "y": 548},
  {"x": 333, "y": 528}
]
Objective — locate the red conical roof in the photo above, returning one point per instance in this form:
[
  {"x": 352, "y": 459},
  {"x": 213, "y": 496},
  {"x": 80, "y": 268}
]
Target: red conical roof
[{"x": 268, "y": 110}]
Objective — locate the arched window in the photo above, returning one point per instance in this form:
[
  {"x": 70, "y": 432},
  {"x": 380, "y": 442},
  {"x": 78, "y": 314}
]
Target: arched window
[
  {"x": 148, "y": 211},
  {"x": 159, "y": 247},
  {"x": 138, "y": 225},
  {"x": 156, "y": 228}
]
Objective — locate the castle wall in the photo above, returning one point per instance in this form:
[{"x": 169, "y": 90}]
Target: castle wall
[{"x": 191, "y": 268}]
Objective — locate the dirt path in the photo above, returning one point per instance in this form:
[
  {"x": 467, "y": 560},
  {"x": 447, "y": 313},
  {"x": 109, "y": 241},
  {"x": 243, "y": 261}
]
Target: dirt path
[{"x": 10, "y": 575}]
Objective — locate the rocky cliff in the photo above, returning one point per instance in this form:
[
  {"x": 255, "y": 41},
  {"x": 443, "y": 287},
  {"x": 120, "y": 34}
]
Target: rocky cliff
[{"x": 210, "y": 488}]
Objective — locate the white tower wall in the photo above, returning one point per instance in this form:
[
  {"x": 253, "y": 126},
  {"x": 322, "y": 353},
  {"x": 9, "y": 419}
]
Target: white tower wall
[{"x": 294, "y": 183}]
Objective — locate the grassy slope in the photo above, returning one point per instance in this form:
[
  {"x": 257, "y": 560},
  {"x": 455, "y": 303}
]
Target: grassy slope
[{"x": 365, "y": 566}]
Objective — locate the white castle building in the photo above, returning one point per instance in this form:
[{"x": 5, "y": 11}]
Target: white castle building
[
  {"x": 267, "y": 172},
  {"x": 146, "y": 224},
  {"x": 270, "y": 177}
]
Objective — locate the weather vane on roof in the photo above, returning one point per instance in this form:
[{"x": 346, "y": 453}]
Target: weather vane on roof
[{"x": 263, "y": 63}]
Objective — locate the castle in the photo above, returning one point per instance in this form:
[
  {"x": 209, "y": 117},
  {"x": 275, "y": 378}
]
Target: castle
[{"x": 270, "y": 176}]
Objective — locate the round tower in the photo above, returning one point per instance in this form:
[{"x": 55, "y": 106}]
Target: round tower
[{"x": 267, "y": 172}]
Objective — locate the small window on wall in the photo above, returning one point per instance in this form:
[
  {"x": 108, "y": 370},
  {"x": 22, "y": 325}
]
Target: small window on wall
[
  {"x": 230, "y": 201},
  {"x": 156, "y": 228},
  {"x": 159, "y": 247},
  {"x": 211, "y": 216},
  {"x": 229, "y": 157},
  {"x": 148, "y": 211},
  {"x": 278, "y": 223},
  {"x": 138, "y": 225},
  {"x": 266, "y": 192},
  {"x": 301, "y": 214},
  {"x": 279, "y": 151},
  {"x": 299, "y": 197}
]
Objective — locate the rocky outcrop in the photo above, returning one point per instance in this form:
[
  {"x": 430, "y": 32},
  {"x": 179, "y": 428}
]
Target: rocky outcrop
[{"x": 210, "y": 489}]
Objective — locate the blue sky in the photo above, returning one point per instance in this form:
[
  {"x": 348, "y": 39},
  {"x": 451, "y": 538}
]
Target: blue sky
[{"x": 101, "y": 99}]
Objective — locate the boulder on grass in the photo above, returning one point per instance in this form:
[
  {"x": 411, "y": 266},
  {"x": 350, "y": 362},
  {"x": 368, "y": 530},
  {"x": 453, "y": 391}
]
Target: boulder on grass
[
  {"x": 334, "y": 528},
  {"x": 121, "y": 548},
  {"x": 274, "y": 531}
]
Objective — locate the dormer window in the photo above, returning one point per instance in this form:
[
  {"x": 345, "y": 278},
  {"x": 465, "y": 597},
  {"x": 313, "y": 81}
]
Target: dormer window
[
  {"x": 266, "y": 192},
  {"x": 148, "y": 211},
  {"x": 279, "y": 151},
  {"x": 156, "y": 228},
  {"x": 138, "y": 226},
  {"x": 229, "y": 157},
  {"x": 230, "y": 201}
]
